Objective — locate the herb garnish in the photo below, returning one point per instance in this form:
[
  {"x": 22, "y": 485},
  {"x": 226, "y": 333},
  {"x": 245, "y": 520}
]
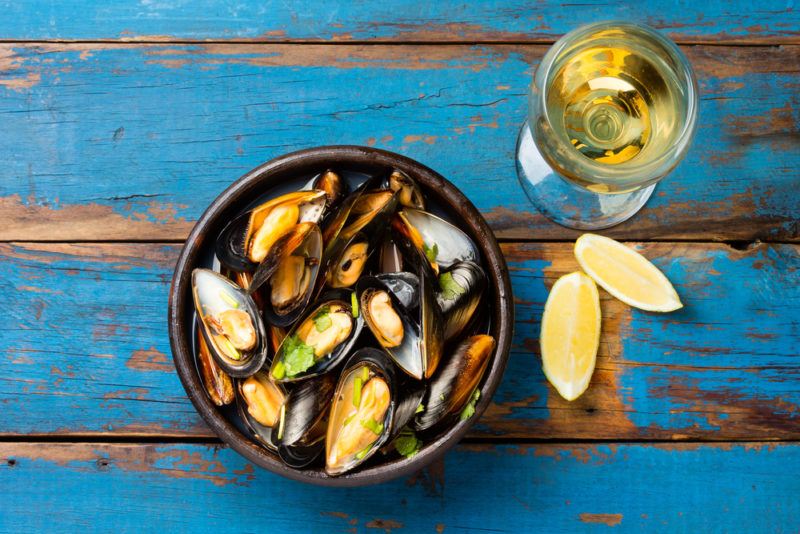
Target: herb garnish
[
  {"x": 450, "y": 288},
  {"x": 228, "y": 299},
  {"x": 297, "y": 356},
  {"x": 407, "y": 443},
  {"x": 322, "y": 320},
  {"x": 363, "y": 452},
  {"x": 431, "y": 252},
  {"x": 469, "y": 409},
  {"x": 354, "y": 304}
]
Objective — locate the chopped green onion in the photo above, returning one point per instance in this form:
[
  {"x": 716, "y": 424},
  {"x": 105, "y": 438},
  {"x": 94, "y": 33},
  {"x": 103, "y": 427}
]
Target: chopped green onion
[
  {"x": 233, "y": 353},
  {"x": 229, "y": 299},
  {"x": 365, "y": 373},
  {"x": 354, "y": 304},
  {"x": 357, "y": 392},
  {"x": 278, "y": 370},
  {"x": 280, "y": 423},
  {"x": 373, "y": 425},
  {"x": 420, "y": 408},
  {"x": 363, "y": 452},
  {"x": 349, "y": 418}
]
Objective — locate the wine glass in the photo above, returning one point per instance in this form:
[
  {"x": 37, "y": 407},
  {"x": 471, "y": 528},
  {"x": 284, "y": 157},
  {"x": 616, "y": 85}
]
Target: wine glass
[{"x": 612, "y": 110}]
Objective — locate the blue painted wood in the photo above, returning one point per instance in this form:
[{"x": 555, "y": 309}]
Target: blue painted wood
[
  {"x": 126, "y": 142},
  {"x": 544, "y": 488},
  {"x": 272, "y": 20},
  {"x": 86, "y": 339}
]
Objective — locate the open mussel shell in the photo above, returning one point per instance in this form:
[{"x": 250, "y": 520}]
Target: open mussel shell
[
  {"x": 217, "y": 383},
  {"x": 230, "y": 323},
  {"x": 451, "y": 388},
  {"x": 404, "y": 285},
  {"x": 261, "y": 402},
  {"x": 320, "y": 340},
  {"x": 336, "y": 218},
  {"x": 304, "y": 240},
  {"x": 408, "y": 192},
  {"x": 461, "y": 289},
  {"x": 431, "y": 242},
  {"x": 392, "y": 325},
  {"x": 293, "y": 281},
  {"x": 248, "y": 238},
  {"x": 390, "y": 258},
  {"x": 362, "y": 414},
  {"x": 347, "y": 264},
  {"x": 301, "y": 431},
  {"x": 334, "y": 185}
]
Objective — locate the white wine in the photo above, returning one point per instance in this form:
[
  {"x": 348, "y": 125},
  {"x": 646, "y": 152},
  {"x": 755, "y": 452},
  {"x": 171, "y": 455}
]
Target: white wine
[
  {"x": 612, "y": 110},
  {"x": 618, "y": 104}
]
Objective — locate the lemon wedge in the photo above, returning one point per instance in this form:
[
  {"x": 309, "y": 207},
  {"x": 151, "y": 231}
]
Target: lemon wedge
[
  {"x": 626, "y": 274},
  {"x": 570, "y": 334}
]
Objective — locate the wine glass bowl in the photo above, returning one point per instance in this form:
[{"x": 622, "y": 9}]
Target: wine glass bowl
[{"x": 612, "y": 110}]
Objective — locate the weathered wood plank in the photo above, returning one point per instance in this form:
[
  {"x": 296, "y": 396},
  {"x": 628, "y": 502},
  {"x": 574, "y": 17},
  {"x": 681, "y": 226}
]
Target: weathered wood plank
[
  {"x": 406, "y": 20},
  {"x": 113, "y": 142},
  {"x": 85, "y": 350},
  {"x": 549, "y": 488}
]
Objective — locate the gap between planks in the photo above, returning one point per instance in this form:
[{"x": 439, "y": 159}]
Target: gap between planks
[{"x": 133, "y": 42}]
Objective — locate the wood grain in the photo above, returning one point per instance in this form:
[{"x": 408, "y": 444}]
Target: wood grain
[
  {"x": 85, "y": 349},
  {"x": 129, "y": 142},
  {"x": 549, "y": 488},
  {"x": 404, "y": 20}
]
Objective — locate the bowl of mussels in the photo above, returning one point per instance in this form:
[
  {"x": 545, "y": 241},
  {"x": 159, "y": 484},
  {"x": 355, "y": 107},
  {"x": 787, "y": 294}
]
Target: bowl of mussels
[{"x": 341, "y": 315}]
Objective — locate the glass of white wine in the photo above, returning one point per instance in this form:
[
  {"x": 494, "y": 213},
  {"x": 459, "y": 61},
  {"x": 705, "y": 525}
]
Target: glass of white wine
[{"x": 612, "y": 110}]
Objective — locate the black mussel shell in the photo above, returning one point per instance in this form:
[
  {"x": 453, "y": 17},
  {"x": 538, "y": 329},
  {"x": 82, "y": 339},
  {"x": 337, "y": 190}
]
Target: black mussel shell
[
  {"x": 336, "y": 218},
  {"x": 345, "y": 299},
  {"x": 405, "y": 287},
  {"x": 334, "y": 185},
  {"x": 408, "y": 192},
  {"x": 390, "y": 258},
  {"x": 429, "y": 242},
  {"x": 307, "y": 404},
  {"x": 300, "y": 457},
  {"x": 217, "y": 295},
  {"x": 266, "y": 435},
  {"x": 379, "y": 365},
  {"x": 310, "y": 247},
  {"x": 286, "y": 245},
  {"x": 461, "y": 289},
  {"x": 451, "y": 388}
]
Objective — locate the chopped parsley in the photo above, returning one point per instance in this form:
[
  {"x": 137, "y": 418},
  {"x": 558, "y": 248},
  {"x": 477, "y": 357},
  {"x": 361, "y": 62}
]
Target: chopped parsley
[
  {"x": 322, "y": 320},
  {"x": 469, "y": 409},
  {"x": 296, "y": 356},
  {"x": 431, "y": 252},
  {"x": 407, "y": 443},
  {"x": 451, "y": 289},
  {"x": 373, "y": 425}
]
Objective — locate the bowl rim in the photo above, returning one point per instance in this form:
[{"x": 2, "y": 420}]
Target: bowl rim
[{"x": 263, "y": 177}]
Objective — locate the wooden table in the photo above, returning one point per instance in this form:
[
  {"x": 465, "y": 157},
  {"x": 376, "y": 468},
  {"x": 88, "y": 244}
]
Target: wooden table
[{"x": 122, "y": 121}]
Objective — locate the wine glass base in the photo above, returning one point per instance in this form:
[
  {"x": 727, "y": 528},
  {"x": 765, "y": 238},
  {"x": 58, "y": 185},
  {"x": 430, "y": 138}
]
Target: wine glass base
[{"x": 568, "y": 204}]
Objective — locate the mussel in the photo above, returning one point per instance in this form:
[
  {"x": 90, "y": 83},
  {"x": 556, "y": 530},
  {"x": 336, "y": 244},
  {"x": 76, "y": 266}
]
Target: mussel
[
  {"x": 346, "y": 269},
  {"x": 218, "y": 384},
  {"x": 292, "y": 269},
  {"x": 261, "y": 404},
  {"x": 334, "y": 186},
  {"x": 408, "y": 192},
  {"x": 301, "y": 430},
  {"x": 319, "y": 341},
  {"x": 230, "y": 323},
  {"x": 362, "y": 413},
  {"x": 405, "y": 287},
  {"x": 431, "y": 242},
  {"x": 460, "y": 291},
  {"x": 248, "y": 239},
  {"x": 451, "y": 388},
  {"x": 412, "y": 340}
]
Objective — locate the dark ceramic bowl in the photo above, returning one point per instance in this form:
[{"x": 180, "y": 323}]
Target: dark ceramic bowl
[{"x": 271, "y": 177}]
